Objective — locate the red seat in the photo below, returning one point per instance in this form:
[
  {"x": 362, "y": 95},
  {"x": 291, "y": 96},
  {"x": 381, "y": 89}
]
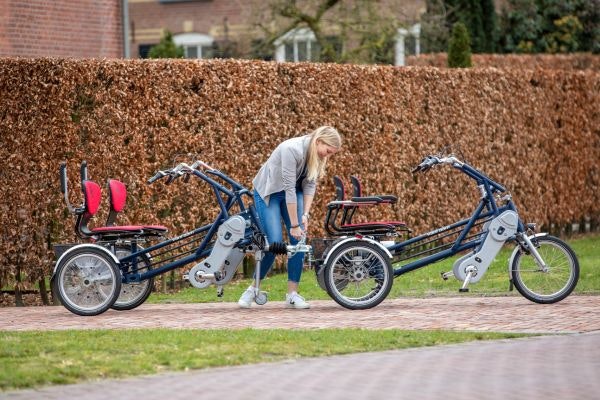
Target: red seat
[
  {"x": 117, "y": 195},
  {"x": 344, "y": 210},
  {"x": 92, "y": 194},
  {"x": 358, "y": 200}
]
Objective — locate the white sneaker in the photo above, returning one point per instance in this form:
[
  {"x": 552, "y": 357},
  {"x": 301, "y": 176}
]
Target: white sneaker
[
  {"x": 294, "y": 300},
  {"x": 247, "y": 298}
]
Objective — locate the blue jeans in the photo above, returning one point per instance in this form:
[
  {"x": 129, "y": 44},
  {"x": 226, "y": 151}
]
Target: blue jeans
[{"x": 270, "y": 218}]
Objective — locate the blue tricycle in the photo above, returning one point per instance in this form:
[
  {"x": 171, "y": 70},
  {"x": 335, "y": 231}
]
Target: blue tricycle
[
  {"x": 358, "y": 265},
  {"x": 116, "y": 267}
]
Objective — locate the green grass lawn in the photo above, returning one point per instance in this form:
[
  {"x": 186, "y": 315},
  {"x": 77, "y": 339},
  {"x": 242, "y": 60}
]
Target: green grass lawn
[
  {"x": 33, "y": 359},
  {"x": 422, "y": 282}
]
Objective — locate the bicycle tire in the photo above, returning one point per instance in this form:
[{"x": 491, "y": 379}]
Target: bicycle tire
[
  {"x": 87, "y": 281},
  {"x": 529, "y": 279},
  {"x": 358, "y": 275}
]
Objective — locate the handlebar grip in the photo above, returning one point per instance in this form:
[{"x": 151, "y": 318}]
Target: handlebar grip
[
  {"x": 63, "y": 177},
  {"x": 157, "y": 176},
  {"x": 83, "y": 171}
]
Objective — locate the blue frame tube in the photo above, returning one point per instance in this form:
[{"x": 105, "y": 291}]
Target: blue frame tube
[
  {"x": 487, "y": 201},
  {"x": 233, "y": 197},
  {"x": 455, "y": 249}
]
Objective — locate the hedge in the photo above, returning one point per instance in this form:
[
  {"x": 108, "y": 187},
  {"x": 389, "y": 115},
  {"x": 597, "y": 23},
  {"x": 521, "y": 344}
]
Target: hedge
[
  {"x": 535, "y": 131},
  {"x": 573, "y": 61}
]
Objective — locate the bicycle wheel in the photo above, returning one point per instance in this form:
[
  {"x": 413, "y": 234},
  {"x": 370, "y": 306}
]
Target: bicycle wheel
[
  {"x": 358, "y": 275},
  {"x": 87, "y": 281},
  {"x": 133, "y": 294},
  {"x": 547, "y": 284}
]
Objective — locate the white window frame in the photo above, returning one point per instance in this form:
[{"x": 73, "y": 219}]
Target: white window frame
[
  {"x": 400, "y": 48},
  {"x": 294, "y": 36},
  {"x": 197, "y": 40}
]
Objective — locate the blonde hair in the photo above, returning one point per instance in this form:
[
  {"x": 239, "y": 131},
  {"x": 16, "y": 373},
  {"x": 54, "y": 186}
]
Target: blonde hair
[{"x": 316, "y": 165}]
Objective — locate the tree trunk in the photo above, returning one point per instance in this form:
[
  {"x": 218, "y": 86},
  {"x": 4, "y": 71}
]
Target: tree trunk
[
  {"x": 44, "y": 292},
  {"x": 18, "y": 294}
]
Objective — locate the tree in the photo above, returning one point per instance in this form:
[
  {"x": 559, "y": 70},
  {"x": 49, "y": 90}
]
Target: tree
[
  {"x": 490, "y": 26},
  {"x": 550, "y": 26},
  {"x": 434, "y": 28},
  {"x": 357, "y": 31},
  {"x": 166, "y": 48},
  {"x": 459, "y": 50},
  {"x": 478, "y": 16}
]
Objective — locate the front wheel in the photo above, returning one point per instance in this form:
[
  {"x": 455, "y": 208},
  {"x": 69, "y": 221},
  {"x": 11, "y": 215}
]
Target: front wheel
[
  {"x": 358, "y": 275},
  {"x": 87, "y": 281},
  {"x": 548, "y": 283}
]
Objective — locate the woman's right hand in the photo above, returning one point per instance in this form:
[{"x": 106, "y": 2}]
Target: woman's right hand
[{"x": 296, "y": 233}]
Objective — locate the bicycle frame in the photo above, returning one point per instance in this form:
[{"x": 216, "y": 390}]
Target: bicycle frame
[
  {"x": 233, "y": 196},
  {"x": 487, "y": 209}
]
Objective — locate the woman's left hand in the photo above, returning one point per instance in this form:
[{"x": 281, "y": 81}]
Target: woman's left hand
[{"x": 305, "y": 223}]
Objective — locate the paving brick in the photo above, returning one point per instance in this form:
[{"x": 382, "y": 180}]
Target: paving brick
[
  {"x": 550, "y": 367},
  {"x": 505, "y": 314}
]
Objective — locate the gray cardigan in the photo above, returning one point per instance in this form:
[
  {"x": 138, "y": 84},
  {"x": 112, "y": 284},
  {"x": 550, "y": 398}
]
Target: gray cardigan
[{"x": 282, "y": 169}]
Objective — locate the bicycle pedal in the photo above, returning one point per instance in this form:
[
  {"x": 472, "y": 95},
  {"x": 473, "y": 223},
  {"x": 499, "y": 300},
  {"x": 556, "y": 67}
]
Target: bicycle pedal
[
  {"x": 465, "y": 290},
  {"x": 446, "y": 275}
]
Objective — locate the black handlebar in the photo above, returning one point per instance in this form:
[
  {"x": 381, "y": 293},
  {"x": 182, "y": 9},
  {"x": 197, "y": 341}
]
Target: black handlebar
[
  {"x": 425, "y": 164},
  {"x": 83, "y": 171},
  {"x": 171, "y": 175},
  {"x": 63, "y": 177},
  {"x": 156, "y": 177}
]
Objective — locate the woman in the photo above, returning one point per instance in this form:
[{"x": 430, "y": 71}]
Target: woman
[{"x": 284, "y": 188}]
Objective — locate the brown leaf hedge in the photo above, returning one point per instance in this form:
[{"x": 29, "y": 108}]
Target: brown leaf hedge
[
  {"x": 572, "y": 61},
  {"x": 535, "y": 131}
]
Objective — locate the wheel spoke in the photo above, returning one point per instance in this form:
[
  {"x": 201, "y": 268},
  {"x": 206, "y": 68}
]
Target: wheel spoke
[
  {"x": 87, "y": 283},
  {"x": 358, "y": 276},
  {"x": 549, "y": 285}
]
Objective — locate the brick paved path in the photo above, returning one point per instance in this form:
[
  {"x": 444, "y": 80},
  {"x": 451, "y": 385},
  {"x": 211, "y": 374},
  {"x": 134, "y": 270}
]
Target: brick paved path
[
  {"x": 556, "y": 367},
  {"x": 507, "y": 314},
  {"x": 532, "y": 368}
]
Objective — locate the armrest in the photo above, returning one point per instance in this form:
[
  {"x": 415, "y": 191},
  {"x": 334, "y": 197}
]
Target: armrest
[
  {"x": 368, "y": 199},
  {"x": 388, "y": 197}
]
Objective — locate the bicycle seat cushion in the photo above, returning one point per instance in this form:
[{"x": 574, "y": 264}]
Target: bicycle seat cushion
[
  {"x": 374, "y": 224},
  {"x": 124, "y": 228}
]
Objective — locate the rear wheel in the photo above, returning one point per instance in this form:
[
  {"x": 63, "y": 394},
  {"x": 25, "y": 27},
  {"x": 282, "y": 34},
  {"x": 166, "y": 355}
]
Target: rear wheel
[
  {"x": 133, "y": 294},
  {"x": 87, "y": 281},
  {"x": 358, "y": 275},
  {"x": 547, "y": 283}
]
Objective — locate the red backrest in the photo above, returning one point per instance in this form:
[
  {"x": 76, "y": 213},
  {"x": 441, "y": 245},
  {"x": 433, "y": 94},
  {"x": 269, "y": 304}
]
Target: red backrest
[
  {"x": 92, "y": 194},
  {"x": 117, "y": 195}
]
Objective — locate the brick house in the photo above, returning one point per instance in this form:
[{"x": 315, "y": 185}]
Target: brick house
[
  {"x": 205, "y": 27},
  {"x": 62, "y": 28}
]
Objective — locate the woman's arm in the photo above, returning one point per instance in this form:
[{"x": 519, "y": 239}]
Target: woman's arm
[{"x": 308, "y": 199}]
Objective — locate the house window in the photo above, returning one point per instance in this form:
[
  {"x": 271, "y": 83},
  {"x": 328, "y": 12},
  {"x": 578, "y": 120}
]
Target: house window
[
  {"x": 198, "y": 51},
  {"x": 297, "y": 45},
  {"x": 195, "y": 45},
  {"x": 144, "y": 49},
  {"x": 407, "y": 43}
]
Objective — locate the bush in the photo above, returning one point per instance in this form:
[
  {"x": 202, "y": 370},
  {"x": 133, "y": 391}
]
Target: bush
[
  {"x": 166, "y": 48},
  {"x": 459, "y": 49}
]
